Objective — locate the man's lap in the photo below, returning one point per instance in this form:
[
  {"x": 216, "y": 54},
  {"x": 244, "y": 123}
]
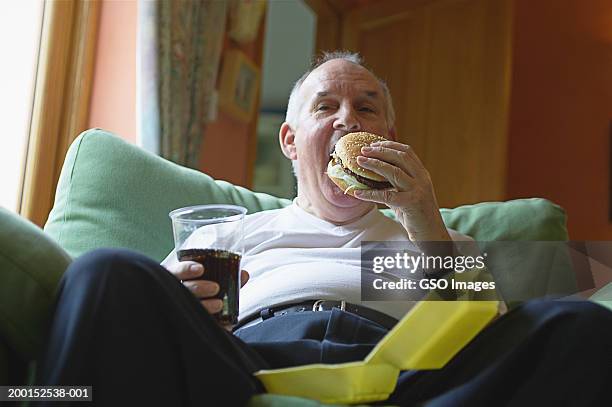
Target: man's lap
[
  {"x": 312, "y": 337},
  {"x": 527, "y": 349}
]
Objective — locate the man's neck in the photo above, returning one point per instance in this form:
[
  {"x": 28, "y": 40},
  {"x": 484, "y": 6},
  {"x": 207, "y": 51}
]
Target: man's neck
[{"x": 307, "y": 206}]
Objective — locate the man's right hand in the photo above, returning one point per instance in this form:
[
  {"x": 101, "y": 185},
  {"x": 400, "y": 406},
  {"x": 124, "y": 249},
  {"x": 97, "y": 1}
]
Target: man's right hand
[{"x": 190, "y": 274}]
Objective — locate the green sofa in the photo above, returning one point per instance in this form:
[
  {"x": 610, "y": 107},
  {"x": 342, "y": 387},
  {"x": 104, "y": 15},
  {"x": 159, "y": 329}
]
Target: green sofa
[{"x": 113, "y": 194}]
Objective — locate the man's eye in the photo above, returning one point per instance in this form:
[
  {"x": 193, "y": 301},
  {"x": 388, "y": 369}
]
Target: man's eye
[
  {"x": 366, "y": 109},
  {"x": 323, "y": 108}
]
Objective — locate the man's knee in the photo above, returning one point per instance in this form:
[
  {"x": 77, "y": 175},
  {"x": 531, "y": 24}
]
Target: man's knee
[
  {"x": 110, "y": 265},
  {"x": 581, "y": 316}
]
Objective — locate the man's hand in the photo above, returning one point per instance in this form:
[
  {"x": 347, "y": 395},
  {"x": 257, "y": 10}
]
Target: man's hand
[
  {"x": 412, "y": 197},
  {"x": 190, "y": 274}
]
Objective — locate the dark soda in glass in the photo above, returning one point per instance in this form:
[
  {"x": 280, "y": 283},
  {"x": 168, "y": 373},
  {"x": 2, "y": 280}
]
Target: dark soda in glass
[{"x": 222, "y": 267}]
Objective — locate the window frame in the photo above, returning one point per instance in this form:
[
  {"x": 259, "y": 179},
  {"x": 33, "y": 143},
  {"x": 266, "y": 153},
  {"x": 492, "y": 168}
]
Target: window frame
[{"x": 62, "y": 99}]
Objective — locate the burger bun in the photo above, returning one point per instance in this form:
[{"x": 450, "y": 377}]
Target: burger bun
[{"x": 348, "y": 149}]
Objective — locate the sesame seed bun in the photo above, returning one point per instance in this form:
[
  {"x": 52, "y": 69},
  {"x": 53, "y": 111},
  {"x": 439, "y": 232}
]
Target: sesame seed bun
[
  {"x": 343, "y": 169},
  {"x": 348, "y": 149}
]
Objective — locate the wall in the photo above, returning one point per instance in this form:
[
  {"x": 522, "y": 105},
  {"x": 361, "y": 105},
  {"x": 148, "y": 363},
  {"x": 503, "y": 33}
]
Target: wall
[
  {"x": 227, "y": 133},
  {"x": 113, "y": 104},
  {"x": 224, "y": 135},
  {"x": 561, "y": 107},
  {"x": 114, "y": 95}
]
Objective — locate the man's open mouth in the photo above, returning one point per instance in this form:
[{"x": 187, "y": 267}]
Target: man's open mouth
[{"x": 363, "y": 180}]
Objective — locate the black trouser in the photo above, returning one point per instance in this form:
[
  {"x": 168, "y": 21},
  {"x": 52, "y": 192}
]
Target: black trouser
[{"x": 126, "y": 326}]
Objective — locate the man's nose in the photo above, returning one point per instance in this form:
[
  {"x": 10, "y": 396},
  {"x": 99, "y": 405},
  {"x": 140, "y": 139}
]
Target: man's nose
[{"x": 347, "y": 120}]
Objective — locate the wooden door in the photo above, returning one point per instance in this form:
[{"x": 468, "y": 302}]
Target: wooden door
[{"x": 447, "y": 64}]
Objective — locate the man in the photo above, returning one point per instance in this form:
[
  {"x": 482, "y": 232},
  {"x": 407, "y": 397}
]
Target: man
[
  {"x": 126, "y": 326},
  {"x": 338, "y": 97}
]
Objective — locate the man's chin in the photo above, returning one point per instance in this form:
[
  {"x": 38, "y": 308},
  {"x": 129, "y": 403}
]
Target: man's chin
[{"x": 337, "y": 196}]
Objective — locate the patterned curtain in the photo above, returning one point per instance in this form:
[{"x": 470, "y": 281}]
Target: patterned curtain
[{"x": 180, "y": 44}]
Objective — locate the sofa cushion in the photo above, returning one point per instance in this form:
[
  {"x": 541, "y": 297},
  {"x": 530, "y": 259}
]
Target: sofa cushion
[
  {"x": 112, "y": 193},
  {"x": 31, "y": 264},
  {"x": 534, "y": 219}
]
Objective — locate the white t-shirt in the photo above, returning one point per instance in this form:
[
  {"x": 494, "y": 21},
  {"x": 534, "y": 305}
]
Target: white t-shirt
[{"x": 293, "y": 256}]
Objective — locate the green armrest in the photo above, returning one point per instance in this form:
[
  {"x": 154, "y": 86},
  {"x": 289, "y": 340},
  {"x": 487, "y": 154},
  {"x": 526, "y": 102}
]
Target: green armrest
[{"x": 31, "y": 264}]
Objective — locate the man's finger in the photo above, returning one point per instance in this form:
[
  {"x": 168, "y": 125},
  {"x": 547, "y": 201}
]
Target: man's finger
[
  {"x": 395, "y": 175},
  {"x": 212, "y": 306},
  {"x": 202, "y": 288},
  {"x": 244, "y": 277},
  {"x": 187, "y": 270},
  {"x": 383, "y": 196},
  {"x": 398, "y": 158},
  {"x": 392, "y": 144},
  {"x": 402, "y": 147}
]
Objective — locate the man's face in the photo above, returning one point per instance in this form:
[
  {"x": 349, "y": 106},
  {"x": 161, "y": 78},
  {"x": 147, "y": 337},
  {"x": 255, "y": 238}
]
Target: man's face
[{"x": 337, "y": 98}]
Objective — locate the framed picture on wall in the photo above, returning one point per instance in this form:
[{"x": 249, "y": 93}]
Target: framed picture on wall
[{"x": 239, "y": 85}]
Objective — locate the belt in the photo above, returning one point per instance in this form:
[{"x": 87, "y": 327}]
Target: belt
[{"x": 319, "y": 305}]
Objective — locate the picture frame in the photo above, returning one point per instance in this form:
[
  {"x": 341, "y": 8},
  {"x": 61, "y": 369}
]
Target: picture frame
[{"x": 239, "y": 85}]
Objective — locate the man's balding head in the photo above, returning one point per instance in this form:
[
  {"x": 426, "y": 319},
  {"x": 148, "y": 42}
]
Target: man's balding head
[{"x": 295, "y": 99}]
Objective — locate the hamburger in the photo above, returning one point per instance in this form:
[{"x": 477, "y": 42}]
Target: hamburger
[{"x": 343, "y": 169}]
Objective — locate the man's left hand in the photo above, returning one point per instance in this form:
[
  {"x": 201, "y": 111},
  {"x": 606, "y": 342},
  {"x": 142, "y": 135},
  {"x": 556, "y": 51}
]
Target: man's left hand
[{"x": 412, "y": 197}]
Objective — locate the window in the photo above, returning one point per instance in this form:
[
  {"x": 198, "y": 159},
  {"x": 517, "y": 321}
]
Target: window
[
  {"x": 20, "y": 27},
  {"x": 289, "y": 44}
]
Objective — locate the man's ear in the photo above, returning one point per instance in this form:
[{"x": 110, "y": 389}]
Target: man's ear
[
  {"x": 286, "y": 138},
  {"x": 393, "y": 133}
]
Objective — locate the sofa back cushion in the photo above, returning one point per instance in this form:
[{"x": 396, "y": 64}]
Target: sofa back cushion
[{"x": 114, "y": 194}]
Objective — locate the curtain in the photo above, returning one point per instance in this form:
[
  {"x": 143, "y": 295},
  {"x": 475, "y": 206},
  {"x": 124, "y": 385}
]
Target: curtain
[{"x": 179, "y": 49}]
